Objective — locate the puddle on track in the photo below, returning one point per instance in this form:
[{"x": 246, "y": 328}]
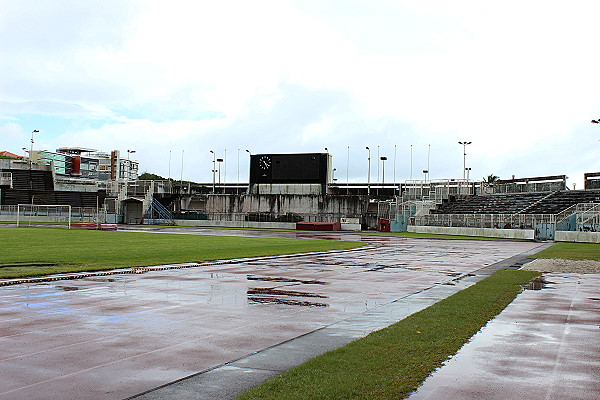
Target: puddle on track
[
  {"x": 277, "y": 292},
  {"x": 287, "y": 302},
  {"x": 538, "y": 283},
  {"x": 286, "y": 280}
]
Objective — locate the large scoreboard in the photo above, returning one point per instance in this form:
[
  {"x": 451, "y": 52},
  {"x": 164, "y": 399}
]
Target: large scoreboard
[{"x": 289, "y": 168}]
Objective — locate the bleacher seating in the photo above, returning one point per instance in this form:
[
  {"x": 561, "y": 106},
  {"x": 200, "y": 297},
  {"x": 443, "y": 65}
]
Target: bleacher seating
[
  {"x": 525, "y": 203},
  {"x": 491, "y": 204},
  {"x": 34, "y": 186},
  {"x": 74, "y": 199},
  {"x": 564, "y": 199},
  {"x": 24, "y": 179}
]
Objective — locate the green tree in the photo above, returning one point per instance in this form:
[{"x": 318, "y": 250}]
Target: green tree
[
  {"x": 491, "y": 178},
  {"x": 147, "y": 176}
]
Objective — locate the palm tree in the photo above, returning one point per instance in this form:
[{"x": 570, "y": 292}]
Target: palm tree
[{"x": 491, "y": 178}]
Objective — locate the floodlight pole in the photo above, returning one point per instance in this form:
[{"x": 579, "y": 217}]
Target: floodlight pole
[
  {"x": 34, "y": 131},
  {"x": 347, "y": 168},
  {"x": 220, "y": 160},
  {"x": 129, "y": 152},
  {"x": 378, "y": 165},
  {"x": 214, "y": 169},
  {"x": 411, "y": 163},
  {"x": 181, "y": 176},
  {"x": 464, "y": 145},
  {"x": 369, "y": 172},
  {"x": 394, "y": 167}
]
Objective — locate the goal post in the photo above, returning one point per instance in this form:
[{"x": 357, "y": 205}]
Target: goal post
[{"x": 28, "y": 214}]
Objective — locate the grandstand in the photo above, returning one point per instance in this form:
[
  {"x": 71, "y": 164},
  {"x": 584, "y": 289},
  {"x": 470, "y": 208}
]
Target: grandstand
[
  {"x": 36, "y": 186},
  {"x": 31, "y": 179},
  {"x": 528, "y": 208},
  {"x": 520, "y": 203}
]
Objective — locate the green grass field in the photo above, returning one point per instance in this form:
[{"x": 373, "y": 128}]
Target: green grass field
[
  {"x": 392, "y": 362},
  {"x": 571, "y": 251},
  {"x": 42, "y": 251}
]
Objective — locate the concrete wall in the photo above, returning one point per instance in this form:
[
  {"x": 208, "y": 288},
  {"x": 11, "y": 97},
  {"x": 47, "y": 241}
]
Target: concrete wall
[
  {"x": 527, "y": 234},
  {"x": 328, "y": 207},
  {"x": 236, "y": 224},
  {"x": 252, "y": 224},
  {"x": 274, "y": 189},
  {"x": 580, "y": 237},
  {"x": 74, "y": 187},
  {"x": 351, "y": 227},
  {"x": 23, "y": 165}
]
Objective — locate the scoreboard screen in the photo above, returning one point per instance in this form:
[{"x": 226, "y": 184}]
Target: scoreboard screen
[{"x": 289, "y": 168}]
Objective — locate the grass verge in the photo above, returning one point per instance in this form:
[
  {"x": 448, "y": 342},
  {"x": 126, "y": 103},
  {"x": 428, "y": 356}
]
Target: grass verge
[
  {"x": 393, "y": 362},
  {"x": 43, "y": 251},
  {"x": 571, "y": 251}
]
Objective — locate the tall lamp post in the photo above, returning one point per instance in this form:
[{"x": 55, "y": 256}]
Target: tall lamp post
[
  {"x": 30, "y": 151},
  {"x": 464, "y": 145},
  {"x": 219, "y": 160},
  {"x": 596, "y": 121},
  {"x": 250, "y": 156},
  {"x": 378, "y": 164},
  {"x": 383, "y": 160},
  {"x": 34, "y": 131},
  {"x": 214, "y": 169},
  {"x": 369, "y": 172},
  {"x": 127, "y": 171},
  {"x": 347, "y": 168},
  {"x": 129, "y": 152}
]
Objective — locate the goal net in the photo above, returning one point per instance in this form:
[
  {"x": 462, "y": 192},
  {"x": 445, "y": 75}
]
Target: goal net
[{"x": 33, "y": 214}]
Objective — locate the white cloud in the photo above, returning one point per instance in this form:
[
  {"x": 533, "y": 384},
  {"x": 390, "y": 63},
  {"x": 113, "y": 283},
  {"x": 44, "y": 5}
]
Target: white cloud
[{"x": 518, "y": 79}]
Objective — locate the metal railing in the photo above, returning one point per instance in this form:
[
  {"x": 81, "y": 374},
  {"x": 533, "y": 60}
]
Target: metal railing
[
  {"x": 588, "y": 217},
  {"x": 528, "y": 187},
  {"x": 499, "y": 221},
  {"x": 436, "y": 190},
  {"x": 78, "y": 214}
]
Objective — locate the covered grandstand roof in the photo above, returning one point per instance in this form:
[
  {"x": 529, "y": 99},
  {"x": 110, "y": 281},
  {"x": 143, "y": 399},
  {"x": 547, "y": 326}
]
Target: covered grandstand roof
[{"x": 75, "y": 150}]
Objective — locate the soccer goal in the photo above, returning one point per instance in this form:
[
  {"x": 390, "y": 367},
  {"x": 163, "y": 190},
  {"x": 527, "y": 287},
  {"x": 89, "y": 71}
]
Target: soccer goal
[{"x": 31, "y": 214}]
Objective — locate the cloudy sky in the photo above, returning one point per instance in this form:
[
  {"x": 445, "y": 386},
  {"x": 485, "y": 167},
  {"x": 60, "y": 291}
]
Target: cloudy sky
[{"x": 175, "y": 79}]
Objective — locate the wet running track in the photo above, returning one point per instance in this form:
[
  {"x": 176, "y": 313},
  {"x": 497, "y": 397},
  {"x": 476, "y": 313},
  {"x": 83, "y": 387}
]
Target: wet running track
[{"x": 112, "y": 337}]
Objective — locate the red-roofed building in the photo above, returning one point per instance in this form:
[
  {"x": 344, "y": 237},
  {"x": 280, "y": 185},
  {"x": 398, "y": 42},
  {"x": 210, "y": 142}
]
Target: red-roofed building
[{"x": 9, "y": 154}]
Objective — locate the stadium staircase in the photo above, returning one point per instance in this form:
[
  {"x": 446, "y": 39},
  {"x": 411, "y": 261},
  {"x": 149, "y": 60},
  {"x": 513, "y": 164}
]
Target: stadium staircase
[
  {"x": 158, "y": 214},
  {"x": 155, "y": 213}
]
